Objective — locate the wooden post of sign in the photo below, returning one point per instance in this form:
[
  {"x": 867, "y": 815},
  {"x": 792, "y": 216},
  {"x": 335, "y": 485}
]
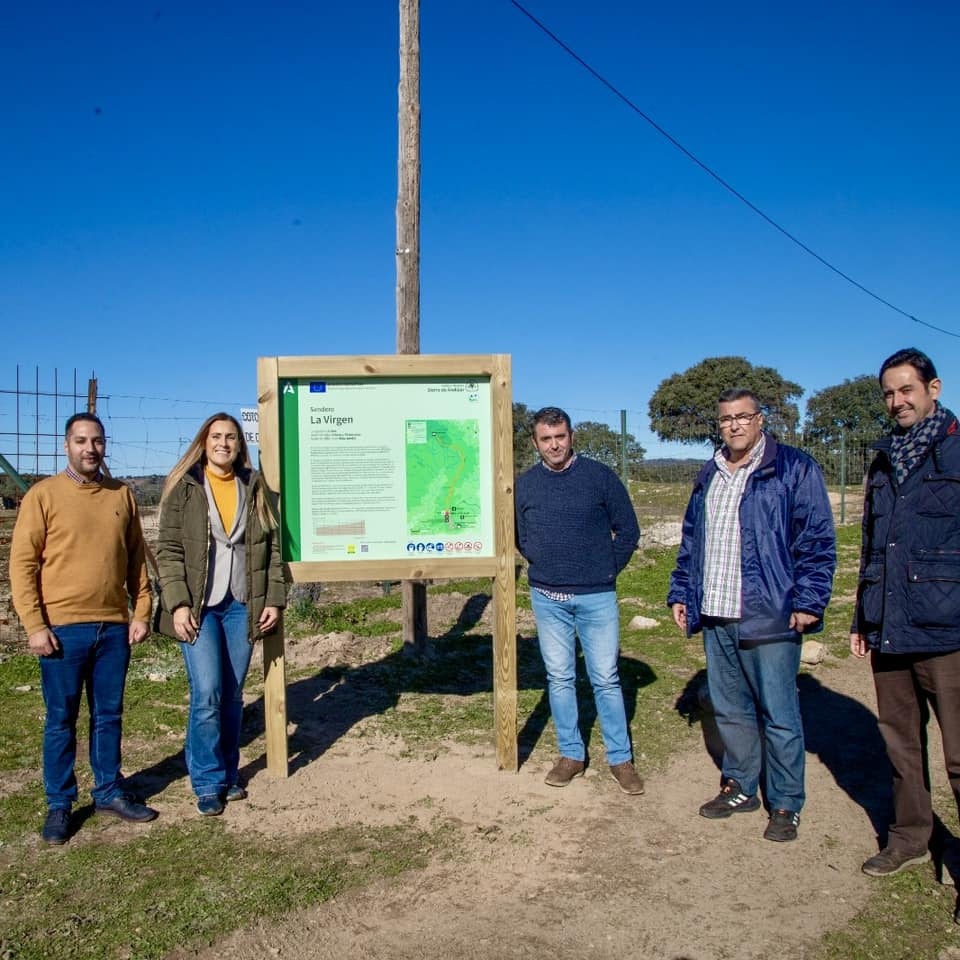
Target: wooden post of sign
[
  {"x": 414, "y": 592},
  {"x": 275, "y": 702},
  {"x": 505, "y": 581},
  {"x": 274, "y": 665},
  {"x": 501, "y": 565}
]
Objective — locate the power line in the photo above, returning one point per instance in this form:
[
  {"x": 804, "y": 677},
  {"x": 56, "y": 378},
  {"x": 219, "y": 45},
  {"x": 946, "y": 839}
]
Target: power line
[
  {"x": 209, "y": 403},
  {"x": 716, "y": 176}
]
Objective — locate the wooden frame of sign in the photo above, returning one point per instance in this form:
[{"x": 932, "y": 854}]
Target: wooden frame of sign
[{"x": 492, "y": 372}]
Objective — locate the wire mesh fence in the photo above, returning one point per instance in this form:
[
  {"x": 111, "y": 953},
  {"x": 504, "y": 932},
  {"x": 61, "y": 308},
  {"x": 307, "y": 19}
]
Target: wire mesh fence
[{"x": 147, "y": 434}]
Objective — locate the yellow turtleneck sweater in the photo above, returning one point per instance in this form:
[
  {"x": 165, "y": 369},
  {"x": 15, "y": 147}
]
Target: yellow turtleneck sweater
[{"x": 224, "y": 491}]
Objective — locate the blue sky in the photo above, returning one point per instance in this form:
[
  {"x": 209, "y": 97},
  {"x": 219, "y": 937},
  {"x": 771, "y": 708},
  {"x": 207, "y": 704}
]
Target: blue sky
[{"x": 184, "y": 187}]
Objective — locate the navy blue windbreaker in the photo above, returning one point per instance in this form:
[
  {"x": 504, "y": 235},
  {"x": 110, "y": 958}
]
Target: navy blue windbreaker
[
  {"x": 908, "y": 599},
  {"x": 788, "y": 547}
]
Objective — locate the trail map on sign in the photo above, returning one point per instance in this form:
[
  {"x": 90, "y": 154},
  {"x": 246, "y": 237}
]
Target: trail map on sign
[{"x": 443, "y": 477}]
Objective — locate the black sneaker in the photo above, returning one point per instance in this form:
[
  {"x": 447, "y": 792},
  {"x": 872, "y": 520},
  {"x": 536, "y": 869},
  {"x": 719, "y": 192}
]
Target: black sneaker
[
  {"x": 56, "y": 828},
  {"x": 782, "y": 826},
  {"x": 731, "y": 799},
  {"x": 129, "y": 808}
]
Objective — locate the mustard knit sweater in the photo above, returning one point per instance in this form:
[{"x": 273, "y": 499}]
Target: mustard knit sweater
[
  {"x": 77, "y": 555},
  {"x": 224, "y": 491}
]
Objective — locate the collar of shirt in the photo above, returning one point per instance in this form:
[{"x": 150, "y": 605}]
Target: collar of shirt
[
  {"x": 566, "y": 466},
  {"x": 753, "y": 461},
  {"x": 76, "y": 478}
]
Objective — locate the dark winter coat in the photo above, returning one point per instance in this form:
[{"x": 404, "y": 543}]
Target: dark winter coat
[
  {"x": 183, "y": 550},
  {"x": 788, "y": 548},
  {"x": 908, "y": 599}
]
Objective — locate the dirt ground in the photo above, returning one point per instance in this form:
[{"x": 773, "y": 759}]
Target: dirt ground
[{"x": 584, "y": 871}]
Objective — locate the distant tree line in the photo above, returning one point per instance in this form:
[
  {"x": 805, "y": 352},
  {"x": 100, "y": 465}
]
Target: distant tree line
[
  {"x": 839, "y": 425},
  {"x": 594, "y": 440}
]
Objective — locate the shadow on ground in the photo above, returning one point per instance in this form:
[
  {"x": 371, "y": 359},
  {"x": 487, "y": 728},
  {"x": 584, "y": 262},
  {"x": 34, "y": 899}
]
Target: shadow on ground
[
  {"x": 840, "y": 730},
  {"x": 323, "y": 707},
  {"x": 844, "y": 734}
]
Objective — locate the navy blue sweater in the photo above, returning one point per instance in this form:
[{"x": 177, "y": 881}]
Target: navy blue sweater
[{"x": 576, "y": 527}]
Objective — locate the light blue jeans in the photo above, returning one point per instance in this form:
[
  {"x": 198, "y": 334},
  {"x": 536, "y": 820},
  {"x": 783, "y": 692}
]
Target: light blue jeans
[
  {"x": 595, "y": 619},
  {"x": 217, "y": 664},
  {"x": 754, "y": 689}
]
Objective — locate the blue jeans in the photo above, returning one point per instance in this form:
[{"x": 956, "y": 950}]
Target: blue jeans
[
  {"x": 217, "y": 663},
  {"x": 754, "y": 689},
  {"x": 95, "y": 656},
  {"x": 595, "y": 619}
]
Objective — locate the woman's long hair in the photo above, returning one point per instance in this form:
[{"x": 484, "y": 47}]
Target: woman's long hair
[{"x": 197, "y": 453}]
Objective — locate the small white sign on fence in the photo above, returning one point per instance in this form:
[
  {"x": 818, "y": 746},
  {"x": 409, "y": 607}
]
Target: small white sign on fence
[{"x": 250, "y": 421}]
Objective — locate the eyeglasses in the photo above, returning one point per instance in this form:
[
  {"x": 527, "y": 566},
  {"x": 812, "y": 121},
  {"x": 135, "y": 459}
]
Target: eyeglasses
[{"x": 741, "y": 418}]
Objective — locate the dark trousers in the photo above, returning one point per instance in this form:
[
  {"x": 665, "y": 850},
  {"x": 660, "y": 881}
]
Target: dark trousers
[{"x": 908, "y": 685}]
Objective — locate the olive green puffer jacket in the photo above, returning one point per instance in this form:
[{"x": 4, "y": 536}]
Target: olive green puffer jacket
[{"x": 183, "y": 550}]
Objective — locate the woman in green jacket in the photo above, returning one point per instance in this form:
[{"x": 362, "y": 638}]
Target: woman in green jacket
[{"x": 218, "y": 557}]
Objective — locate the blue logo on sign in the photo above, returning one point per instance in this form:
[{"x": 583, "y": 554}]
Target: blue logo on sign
[
  {"x": 439, "y": 547},
  {"x": 411, "y": 547},
  {"x": 318, "y": 386}
]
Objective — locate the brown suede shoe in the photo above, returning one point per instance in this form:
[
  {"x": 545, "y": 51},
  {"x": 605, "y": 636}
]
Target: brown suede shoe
[
  {"x": 627, "y": 778},
  {"x": 564, "y": 770}
]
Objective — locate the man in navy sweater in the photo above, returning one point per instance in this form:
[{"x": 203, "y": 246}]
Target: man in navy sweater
[{"x": 577, "y": 529}]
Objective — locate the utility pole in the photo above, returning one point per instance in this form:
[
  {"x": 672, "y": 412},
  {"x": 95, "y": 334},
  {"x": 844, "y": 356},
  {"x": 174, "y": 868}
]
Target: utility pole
[{"x": 408, "y": 259}]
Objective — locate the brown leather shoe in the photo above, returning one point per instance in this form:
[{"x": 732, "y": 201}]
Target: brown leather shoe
[
  {"x": 564, "y": 770},
  {"x": 627, "y": 778}
]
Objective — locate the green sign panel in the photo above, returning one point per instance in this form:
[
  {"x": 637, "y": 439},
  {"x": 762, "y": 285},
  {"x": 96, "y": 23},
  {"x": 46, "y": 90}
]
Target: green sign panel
[{"x": 386, "y": 468}]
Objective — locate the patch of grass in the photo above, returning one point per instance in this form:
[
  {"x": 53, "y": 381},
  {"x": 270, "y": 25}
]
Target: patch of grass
[
  {"x": 358, "y": 617},
  {"x": 427, "y": 718},
  {"x": 20, "y": 813},
  {"x": 468, "y": 587},
  {"x": 909, "y": 918},
  {"x": 449, "y": 695},
  {"x": 21, "y": 706},
  {"x": 848, "y": 560},
  {"x": 657, "y": 665},
  {"x": 156, "y": 696},
  {"x": 648, "y": 576},
  {"x": 185, "y": 885}
]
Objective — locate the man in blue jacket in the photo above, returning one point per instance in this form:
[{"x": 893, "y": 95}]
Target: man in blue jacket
[
  {"x": 577, "y": 528},
  {"x": 908, "y": 599},
  {"x": 754, "y": 572}
]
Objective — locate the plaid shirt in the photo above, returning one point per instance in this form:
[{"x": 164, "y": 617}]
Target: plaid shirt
[
  {"x": 721, "y": 561},
  {"x": 76, "y": 478}
]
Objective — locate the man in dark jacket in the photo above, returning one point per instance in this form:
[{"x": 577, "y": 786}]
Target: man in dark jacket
[
  {"x": 754, "y": 572},
  {"x": 577, "y": 528},
  {"x": 908, "y": 600}
]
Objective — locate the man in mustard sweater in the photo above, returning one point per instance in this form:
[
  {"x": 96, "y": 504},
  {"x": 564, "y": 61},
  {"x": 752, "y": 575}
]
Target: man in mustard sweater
[{"x": 76, "y": 567}]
